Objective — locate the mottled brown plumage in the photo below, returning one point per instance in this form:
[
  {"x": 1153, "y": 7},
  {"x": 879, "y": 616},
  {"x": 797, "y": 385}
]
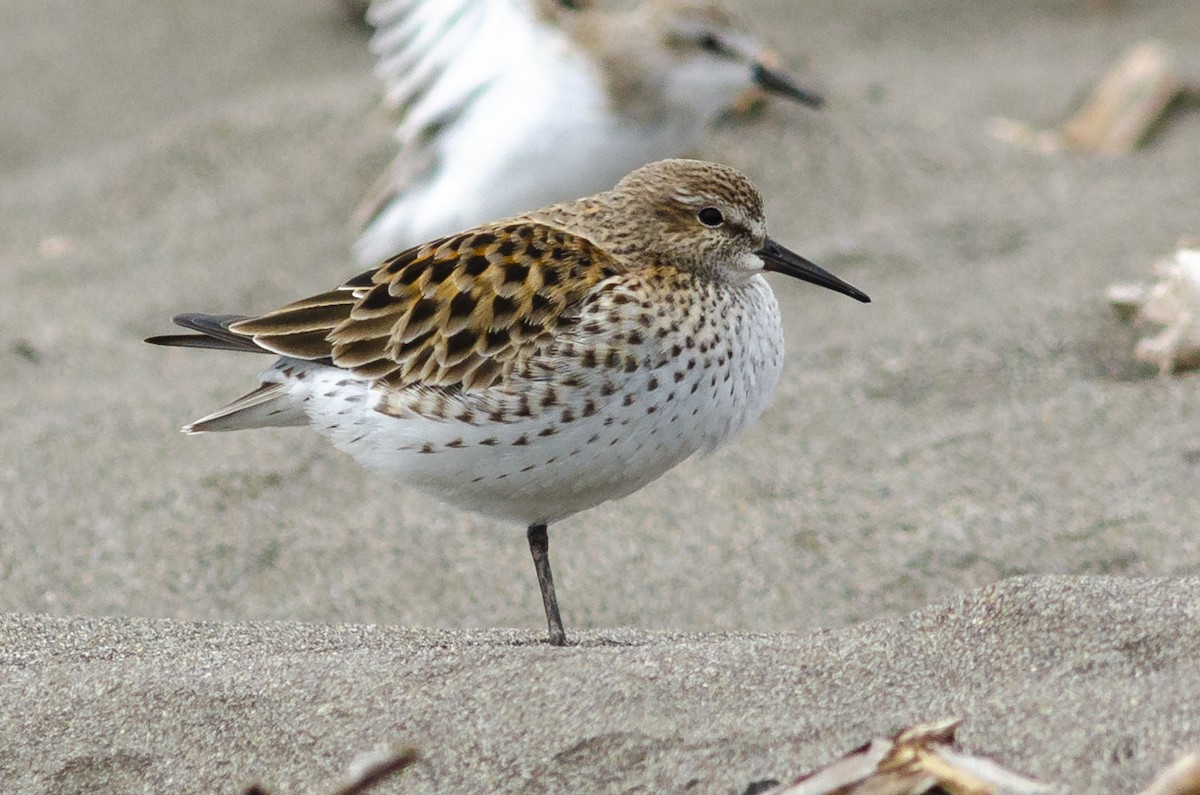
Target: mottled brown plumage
[
  {"x": 460, "y": 312},
  {"x": 532, "y": 368}
]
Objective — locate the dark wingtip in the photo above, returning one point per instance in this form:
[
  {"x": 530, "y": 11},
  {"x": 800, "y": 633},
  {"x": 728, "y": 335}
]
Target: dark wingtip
[
  {"x": 205, "y": 323},
  {"x": 212, "y": 333}
]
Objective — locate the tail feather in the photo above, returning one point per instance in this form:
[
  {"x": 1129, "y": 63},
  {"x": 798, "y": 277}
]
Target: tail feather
[
  {"x": 213, "y": 333},
  {"x": 269, "y": 406}
]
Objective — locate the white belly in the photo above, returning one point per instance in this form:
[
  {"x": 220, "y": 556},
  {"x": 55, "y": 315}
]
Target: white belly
[{"x": 567, "y": 448}]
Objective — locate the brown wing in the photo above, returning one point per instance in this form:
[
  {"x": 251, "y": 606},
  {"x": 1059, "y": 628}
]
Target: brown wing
[{"x": 461, "y": 311}]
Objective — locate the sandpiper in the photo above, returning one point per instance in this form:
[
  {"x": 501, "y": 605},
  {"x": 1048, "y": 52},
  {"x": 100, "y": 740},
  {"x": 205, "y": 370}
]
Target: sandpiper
[
  {"x": 510, "y": 104},
  {"x": 534, "y": 367}
]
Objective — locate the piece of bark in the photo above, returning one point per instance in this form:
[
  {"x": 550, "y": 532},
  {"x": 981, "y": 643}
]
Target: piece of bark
[{"x": 1121, "y": 111}]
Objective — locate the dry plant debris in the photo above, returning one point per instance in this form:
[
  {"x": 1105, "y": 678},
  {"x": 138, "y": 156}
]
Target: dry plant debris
[
  {"x": 919, "y": 759},
  {"x": 366, "y": 772}
]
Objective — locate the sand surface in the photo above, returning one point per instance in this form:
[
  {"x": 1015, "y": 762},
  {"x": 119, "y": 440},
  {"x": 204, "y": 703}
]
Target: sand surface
[{"x": 981, "y": 422}]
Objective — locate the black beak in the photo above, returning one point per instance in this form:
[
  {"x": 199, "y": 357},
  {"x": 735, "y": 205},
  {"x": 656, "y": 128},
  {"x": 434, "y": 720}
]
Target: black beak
[
  {"x": 778, "y": 259},
  {"x": 777, "y": 83}
]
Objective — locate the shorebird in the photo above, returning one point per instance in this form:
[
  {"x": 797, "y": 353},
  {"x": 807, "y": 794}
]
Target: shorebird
[
  {"x": 531, "y": 368},
  {"x": 510, "y": 104}
]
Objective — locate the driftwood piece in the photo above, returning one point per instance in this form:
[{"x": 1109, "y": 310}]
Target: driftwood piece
[
  {"x": 1118, "y": 115},
  {"x": 1181, "y": 778}
]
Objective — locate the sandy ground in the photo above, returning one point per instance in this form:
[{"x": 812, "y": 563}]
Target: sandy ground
[{"x": 982, "y": 420}]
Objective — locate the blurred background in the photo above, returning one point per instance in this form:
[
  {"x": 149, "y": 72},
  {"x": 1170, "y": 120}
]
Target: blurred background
[{"x": 983, "y": 418}]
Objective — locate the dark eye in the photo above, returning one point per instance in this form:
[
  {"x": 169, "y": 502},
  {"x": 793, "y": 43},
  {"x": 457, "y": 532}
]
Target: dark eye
[
  {"x": 710, "y": 43},
  {"x": 711, "y": 216}
]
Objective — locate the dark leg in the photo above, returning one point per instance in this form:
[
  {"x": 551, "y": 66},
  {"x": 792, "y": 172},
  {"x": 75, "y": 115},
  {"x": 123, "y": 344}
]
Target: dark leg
[{"x": 539, "y": 547}]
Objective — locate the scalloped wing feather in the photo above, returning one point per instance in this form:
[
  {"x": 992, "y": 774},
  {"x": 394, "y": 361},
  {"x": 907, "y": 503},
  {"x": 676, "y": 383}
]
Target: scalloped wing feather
[{"x": 462, "y": 311}]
